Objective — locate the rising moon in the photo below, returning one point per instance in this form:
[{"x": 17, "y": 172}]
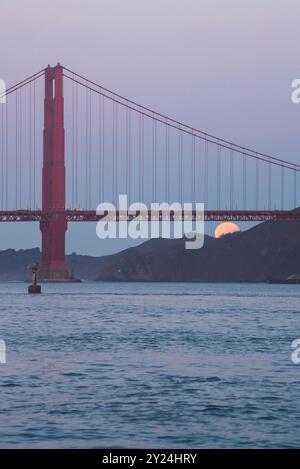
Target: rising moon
[{"x": 226, "y": 228}]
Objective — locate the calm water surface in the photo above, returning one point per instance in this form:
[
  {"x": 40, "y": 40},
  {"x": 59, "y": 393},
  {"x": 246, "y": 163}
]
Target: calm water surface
[{"x": 150, "y": 365}]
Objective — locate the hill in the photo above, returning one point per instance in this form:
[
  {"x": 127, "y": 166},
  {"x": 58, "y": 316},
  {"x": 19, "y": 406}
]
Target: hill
[{"x": 267, "y": 250}]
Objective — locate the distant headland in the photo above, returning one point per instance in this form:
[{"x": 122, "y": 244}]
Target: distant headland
[{"x": 268, "y": 250}]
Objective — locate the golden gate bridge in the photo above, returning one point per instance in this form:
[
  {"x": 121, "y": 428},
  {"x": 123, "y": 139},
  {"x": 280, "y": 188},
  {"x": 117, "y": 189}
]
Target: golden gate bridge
[{"x": 59, "y": 162}]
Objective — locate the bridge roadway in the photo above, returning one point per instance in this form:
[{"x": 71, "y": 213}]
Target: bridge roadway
[{"x": 209, "y": 215}]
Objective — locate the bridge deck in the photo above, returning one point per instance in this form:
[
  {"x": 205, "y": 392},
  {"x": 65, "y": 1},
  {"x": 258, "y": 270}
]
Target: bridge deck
[{"x": 209, "y": 215}]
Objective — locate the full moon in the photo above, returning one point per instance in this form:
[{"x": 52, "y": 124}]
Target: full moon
[{"x": 226, "y": 228}]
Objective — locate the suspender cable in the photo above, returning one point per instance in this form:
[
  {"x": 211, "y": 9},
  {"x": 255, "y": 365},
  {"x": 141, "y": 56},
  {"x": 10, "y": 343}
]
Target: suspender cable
[
  {"x": 180, "y": 167},
  {"x": 23, "y": 83},
  {"x": 6, "y": 155},
  {"x": 126, "y": 150},
  {"x": 244, "y": 182},
  {"x": 193, "y": 192},
  {"x": 30, "y": 145},
  {"x": 99, "y": 147},
  {"x": 188, "y": 130},
  {"x": 295, "y": 189},
  {"x": 142, "y": 161},
  {"x": 205, "y": 186},
  {"x": 86, "y": 147},
  {"x": 34, "y": 144},
  {"x": 140, "y": 157},
  {"x": 231, "y": 179},
  {"x": 76, "y": 147},
  {"x": 179, "y": 125},
  {"x": 114, "y": 154},
  {"x": 103, "y": 150},
  {"x": 282, "y": 188},
  {"x": 17, "y": 150},
  {"x": 270, "y": 185},
  {"x": 2, "y": 154},
  {"x": 73, "y": 145},
  {"x": 181, "y": 189},
  {"x": 168, "y": 164},
  {"x": 129, "y": 155},
  {"x": 90, "y": 180},
  {"x": 154, "y": 148},
  {"x": 20, "y": 149},
  {"x": 257, "y": 185},
  {"x": 219, "y": 177},
  {"x": 152, "y": 162}
]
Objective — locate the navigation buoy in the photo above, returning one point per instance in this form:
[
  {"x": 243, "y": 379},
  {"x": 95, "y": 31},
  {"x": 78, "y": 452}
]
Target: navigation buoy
[{"x": 34, "y": 288}]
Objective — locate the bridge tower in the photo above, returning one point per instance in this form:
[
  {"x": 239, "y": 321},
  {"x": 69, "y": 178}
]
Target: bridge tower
[{"x": 53, "y": 262}]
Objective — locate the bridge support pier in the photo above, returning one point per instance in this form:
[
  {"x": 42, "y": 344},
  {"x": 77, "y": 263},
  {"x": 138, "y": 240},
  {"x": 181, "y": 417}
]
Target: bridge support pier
[
  {"x": 54, "y": 267},
  {"x": 53, "y": 262}
]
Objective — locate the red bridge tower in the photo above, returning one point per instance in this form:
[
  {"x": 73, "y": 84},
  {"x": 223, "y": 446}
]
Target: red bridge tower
[{"x": 53, "y": 262}]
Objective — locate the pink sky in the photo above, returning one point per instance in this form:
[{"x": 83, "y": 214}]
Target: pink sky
[{"x": 224, "y": 66}]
